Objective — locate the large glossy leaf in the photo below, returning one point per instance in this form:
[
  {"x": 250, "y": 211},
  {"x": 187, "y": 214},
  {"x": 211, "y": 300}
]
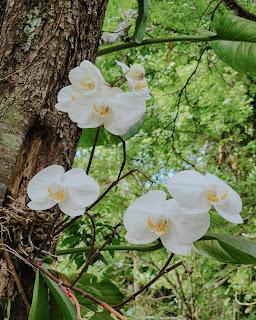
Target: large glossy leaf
[
  {"x": 239, "y": 48},
  {"x": 40, "y": 306},
  {"x": 227, "y": 249},
  {"x": 141, "y": 21},
  {"x": 55, "y": 311},
  {"x": 64, "y": 304},
  {"x": 105, "y": 138},
  {"x": 104, "y": 290}
]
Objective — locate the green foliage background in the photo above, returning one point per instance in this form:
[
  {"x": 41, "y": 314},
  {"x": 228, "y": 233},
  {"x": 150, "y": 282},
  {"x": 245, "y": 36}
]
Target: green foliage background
[{"x": 210, "y": 126}]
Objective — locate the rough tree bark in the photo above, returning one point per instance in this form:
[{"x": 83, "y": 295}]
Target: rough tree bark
[{"x": 41, "y": 40}]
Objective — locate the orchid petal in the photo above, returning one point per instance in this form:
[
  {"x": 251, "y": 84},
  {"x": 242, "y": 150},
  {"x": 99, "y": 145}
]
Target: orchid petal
[
  {"x": 41, "y": 205},
  {"x": 37, "y": 189},
  {"x": 189, "y": 188},
  {"x": 128, "y": 109},
  {"x": 83, "y": 189},
  {"x": 136, "y": 216}
]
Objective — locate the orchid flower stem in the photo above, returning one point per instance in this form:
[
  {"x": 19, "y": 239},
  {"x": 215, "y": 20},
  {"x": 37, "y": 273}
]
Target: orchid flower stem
[
  {"x": 142, "y": 248},
  {"x": 162, "y": 272},
  {"x": 93, "y": 235},
  {"x": 93, "y": 150},
  {"x": 124, "y": 157}
]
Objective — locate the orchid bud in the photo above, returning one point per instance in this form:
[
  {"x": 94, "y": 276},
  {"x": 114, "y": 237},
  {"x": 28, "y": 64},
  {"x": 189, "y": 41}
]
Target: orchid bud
[{"x": 136, "y": 72}]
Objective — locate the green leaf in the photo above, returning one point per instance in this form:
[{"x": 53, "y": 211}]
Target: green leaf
[
  {"x": 104, "y": 315},
  {"x": 55, "y": 311},
  {"x": 40, "y": 306},
  {"x": 133, "y": 130},
  {"x": 104, "y": 290},
  {"x": 227, "y": 249},
  {"x": 141, "y": 21},
  {"x": 64, "y": 304},
  {"x": 239, "y": 50},
  {"x": 105, "y": 138}
]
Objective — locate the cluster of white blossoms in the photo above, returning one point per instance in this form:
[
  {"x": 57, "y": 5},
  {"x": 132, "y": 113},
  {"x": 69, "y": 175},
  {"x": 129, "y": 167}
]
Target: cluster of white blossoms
[
  {"x": 184, "y": 219},
  {"x": 91, "y": 102}
]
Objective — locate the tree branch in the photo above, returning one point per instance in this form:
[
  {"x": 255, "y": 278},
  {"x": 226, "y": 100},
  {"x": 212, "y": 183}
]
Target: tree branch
[
  {"x": 143, "y": 248},
  {"x": 132, "y": 44},
  {"x": 239, "y": 10},
  {"x": 162, "y": 272}
]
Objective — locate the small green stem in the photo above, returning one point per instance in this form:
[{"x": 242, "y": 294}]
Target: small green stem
[
  {"x": 145, "y": 248},
  {"x": 132, "y": 44}
]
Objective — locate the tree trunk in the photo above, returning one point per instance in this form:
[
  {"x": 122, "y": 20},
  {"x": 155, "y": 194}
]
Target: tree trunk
[{"x": 41, "y": 40}]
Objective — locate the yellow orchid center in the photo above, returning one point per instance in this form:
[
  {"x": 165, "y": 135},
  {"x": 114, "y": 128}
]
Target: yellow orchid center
[
  {"x": 214, "y": 198},
  {"x": 140, "y": 85},
  {"x": 102, "y": 110},
  {"x": 56, "y": 193},
  {"x": 89, "y": 85},
  {"x": 160, "y": 227}
]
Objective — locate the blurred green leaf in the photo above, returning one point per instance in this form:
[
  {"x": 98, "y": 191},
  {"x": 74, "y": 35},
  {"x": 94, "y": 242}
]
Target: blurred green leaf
[
  {"x": 239, "y": 51},
  {"x": 105, "y": 138},
  {"x": 40, "y": 306},
  {"x": 104, "y": 290},
  {"x": 227, "y": 249},
  {"x": 55, "y": 311},
  {"x": 64, "y": 304},
  {"x": 141, "y": 21},
  {"x": 133, "y": 130},
  {"x": 104, "y": 315}
]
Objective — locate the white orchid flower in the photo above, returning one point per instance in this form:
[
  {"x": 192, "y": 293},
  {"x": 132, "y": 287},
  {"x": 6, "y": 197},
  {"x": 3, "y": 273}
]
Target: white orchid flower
[
  {"x": 152, "y": 216},
  {"x": 195, "y": 191},
  {"x": 65, "y": 96},
  {"x": 115, "y": 109},
  {"x": 86, "y": 79},
  {"x": 135, "y": 76},
  {"x": 72, "y": 190}
]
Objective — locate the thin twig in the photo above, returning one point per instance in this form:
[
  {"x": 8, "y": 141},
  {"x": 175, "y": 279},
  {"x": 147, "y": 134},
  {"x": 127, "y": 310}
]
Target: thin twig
[
  {"x": 62, "y": 222},
  {"x": 148, "y": 284},
  {"x": 49, "y": 233},
  {"x": 162, "y": 272},
  {"x": 93, "y": 149},
  {"x": 93, "y": 235},
  {"x": 96, "y": 254},
  {"x": 16, "y": 280}
]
